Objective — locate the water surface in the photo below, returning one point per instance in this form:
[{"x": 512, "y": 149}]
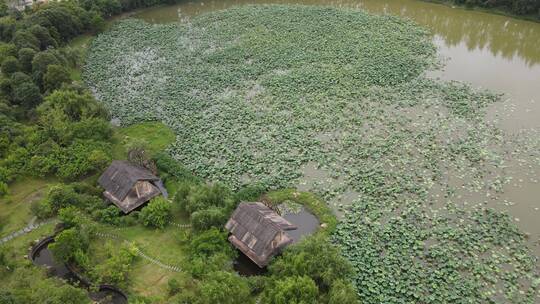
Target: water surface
[{"x": 488, "y": 51}]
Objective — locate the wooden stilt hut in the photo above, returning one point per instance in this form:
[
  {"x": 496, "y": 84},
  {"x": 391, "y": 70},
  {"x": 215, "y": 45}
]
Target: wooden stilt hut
[
  {"x": 258, "y": 231},
  {"x": 129, "y": 186}
]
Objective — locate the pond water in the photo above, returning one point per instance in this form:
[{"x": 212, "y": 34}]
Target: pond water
[
  {"x": 42, "y": 256},
  {"x": 488, "y": 51}
]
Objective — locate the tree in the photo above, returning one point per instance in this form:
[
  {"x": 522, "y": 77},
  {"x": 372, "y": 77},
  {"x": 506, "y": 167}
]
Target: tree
[
  {"x": 26, "y": 55},
  {"x": 210, "y": 242},
  {"x": 292, "y": 290},
  {"x": 40, "y": 63},
  {"x": 55, "y": 76},
  {"x": 115, "y": 269},
  {"x": 10, "y": 65},
  {"x": 157, "y": 213},
  {"x": 26, "y": 94},
  {"x": 25, "y": 39},
  {"x": 208, "y": 218},
  {"x": 43, "y": 36},
  {"x": 71, "y": 246},
  {"x": 7, "y": 49},
  {"x": 224, "y": 288},
  {"x": 316, "y": 258}
]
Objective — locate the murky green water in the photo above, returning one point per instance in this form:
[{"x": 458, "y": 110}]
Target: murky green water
[{"x": 486, "y": 50}]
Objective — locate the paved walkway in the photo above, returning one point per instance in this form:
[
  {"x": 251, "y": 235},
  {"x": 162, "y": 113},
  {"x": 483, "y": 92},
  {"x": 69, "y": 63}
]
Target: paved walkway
[{"x": 30, "y": 227}]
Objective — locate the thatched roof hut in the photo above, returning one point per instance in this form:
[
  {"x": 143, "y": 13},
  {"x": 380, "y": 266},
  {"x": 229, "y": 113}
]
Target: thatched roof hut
[
  {"x": 129, "y": 186},
  {"x": 258, "y": 231}
]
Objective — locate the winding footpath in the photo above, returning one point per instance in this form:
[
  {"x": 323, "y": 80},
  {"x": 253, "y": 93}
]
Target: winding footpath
[
  {"x": 143, "y": 255},
  {"x": 29, "y": 228}
]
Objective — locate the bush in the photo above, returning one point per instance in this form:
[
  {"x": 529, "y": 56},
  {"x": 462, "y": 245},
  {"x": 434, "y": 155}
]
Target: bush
[
  {"x": 4, "y": 190},
  {"x": 314, "y": 257},
  {"x": 292, "y": 290},
  {"x": 71, "y": 246},
  {"x": 41, "y": 209},
  {"x": 10, "y": 65},
  {"x": 250, "y": 193},
  {"x": 204, "y": 196},
  {"x": 55, "y": 76},
  {"x": 173, "y": 286},
  {"x": 206, "y": 219},
  {"x": 224, "y": 288},
  {"x": 26, "y": 94},
  {"x": 210, "y": 242},
  {"x": 115, "y": 269},
  {"x": 342, "y": 293},
  {"x": 71, "y": 217},
  {"x": 157, "y": 213},
  {"x": 110, "y": 215},
  {"x": 26, "y": 55}
]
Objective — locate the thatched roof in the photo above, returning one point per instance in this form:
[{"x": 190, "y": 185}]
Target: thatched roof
[
  {"x": 128, "y": 186},
  {"x": 258, "y": 231}
]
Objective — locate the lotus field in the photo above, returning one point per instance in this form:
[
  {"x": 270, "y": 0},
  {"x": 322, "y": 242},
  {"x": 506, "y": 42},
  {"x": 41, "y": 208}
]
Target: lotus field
[{"x": 258, "y": 94}]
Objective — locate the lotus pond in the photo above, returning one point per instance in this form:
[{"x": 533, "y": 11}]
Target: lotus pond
[{"x": 338, "y": 102}]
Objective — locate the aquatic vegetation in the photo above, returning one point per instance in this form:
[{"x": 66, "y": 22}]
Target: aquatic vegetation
[{"x": 265, "y": 93}]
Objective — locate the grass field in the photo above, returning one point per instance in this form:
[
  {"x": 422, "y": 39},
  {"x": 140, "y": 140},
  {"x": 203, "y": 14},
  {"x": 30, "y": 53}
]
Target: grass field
[{"x": 15, "y": 208}]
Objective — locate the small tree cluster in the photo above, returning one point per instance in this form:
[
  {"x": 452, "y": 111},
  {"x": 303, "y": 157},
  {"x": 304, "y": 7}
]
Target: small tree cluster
[{"x": 157, "y": 213}]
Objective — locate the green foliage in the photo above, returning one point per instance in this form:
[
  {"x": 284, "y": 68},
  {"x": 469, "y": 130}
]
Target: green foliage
[
  {"x": 71, "y": 246},
  {"x": 223, "y": 287},
  {"x": 55, "y": 76},
  {"x": 71, "y": 217},
  {"x": 292, "y": 290},
  {"x": 293, "y": 91},
  {"x": 208, "y": 218},
  {"x": 342, "y": 292},
  {"x": 10, "y": 65},
  {"x": 25, "y": 39},
  {"x": 203, "y": 196},
  {"x": 26, "y": 55},
  {"x": 173, "y": 286},
  {"x": 4, "y": 189},
  {"x": 316, "y": 258},
  {"x": 210, "y": 242},
  {"x": 157, "y": 213},
  {"x": 115, "y": 269},
  {"x": 26, "y": 94},
  {"x": 29, "y": 285}
]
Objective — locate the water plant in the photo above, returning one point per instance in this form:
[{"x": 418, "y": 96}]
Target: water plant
[{"x": 275, "y": 94}]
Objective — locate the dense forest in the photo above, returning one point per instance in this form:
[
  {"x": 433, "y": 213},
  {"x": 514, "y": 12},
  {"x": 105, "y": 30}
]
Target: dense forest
[
  {"x": 49, "y": 124},
  {"x": 517, "y": 7}
]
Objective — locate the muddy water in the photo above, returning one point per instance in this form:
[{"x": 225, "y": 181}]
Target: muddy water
[{"x": 489, "y": 51}]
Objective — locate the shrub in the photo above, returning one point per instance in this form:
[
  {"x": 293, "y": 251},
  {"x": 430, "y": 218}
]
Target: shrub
[
  {"x": 55, "y": 76},
  {"x": 115, "y": 269},
  {"x": 26, "y": 94},
  {"x": 26, "y": 55},
  {"x": 71, "y": 246},
  {"x": 224, "y": 288},
  {"x": 206, "y": 196},
  {"x": 4, "y": 190},
  {"x": 71, "y": 217},
  {"x": 314, "y": 257},
  {"x": 206, "y": 219},
  {"x": 210, "y": 242},
  {"x": 10, "y": 65},
  {"x": 41, "y": 209},
  {"x": 157, "y": 213},
  {"x": 173, "y": 286},
  {"x": 292, "y": 290},
  {"x": 342, "y": 293},
  {"x": 25, "y": 39}
]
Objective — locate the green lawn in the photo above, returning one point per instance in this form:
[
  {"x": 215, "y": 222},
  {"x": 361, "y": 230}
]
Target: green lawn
[
  {"x": 15, "y": 208},
  {"x": 155, "y": 135}
]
